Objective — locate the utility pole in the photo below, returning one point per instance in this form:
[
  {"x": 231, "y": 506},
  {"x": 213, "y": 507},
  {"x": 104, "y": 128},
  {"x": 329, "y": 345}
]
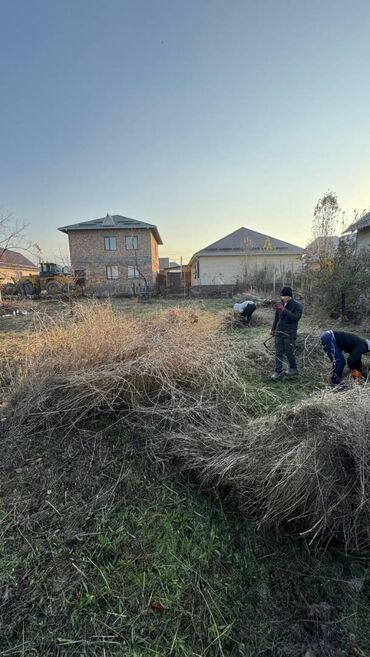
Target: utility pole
[{"x": 182, "y": 277}]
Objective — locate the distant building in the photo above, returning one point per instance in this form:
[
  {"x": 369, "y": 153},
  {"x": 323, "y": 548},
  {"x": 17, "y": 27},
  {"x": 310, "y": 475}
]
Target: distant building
[
  {"x": 165, "y": 263},
  {"x": 236, "y": 258},
  {"x": 14, "y": 265},
  {"x": 319, "y": 250},
  {"x": 114, "y": 254},
  {"x": 177, "y": 278},
  {"x": 360, "y": 230}
]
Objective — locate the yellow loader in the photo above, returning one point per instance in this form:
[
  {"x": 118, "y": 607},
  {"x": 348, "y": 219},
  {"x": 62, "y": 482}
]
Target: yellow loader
[{"x": 52, "y": 279}]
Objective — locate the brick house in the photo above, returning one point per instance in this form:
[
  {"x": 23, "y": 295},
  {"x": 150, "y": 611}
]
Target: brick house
[{"x": 115, "y": 254}]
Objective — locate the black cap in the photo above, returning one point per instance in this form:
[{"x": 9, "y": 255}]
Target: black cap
[{"x": 286, "y": 291}]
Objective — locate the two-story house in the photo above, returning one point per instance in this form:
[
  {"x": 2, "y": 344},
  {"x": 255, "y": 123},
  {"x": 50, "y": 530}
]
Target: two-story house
[{"x": 114, "y": 254}]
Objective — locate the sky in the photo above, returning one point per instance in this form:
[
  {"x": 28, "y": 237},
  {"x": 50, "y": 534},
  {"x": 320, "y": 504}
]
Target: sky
[{"x": 200, "y": 116}]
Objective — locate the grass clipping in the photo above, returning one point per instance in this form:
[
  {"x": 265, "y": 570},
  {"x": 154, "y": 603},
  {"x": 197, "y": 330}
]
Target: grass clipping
[{"x": 177, "y": 377}]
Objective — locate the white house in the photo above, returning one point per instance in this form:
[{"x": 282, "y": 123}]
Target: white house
[
  {"x": 236, "y": 258},
  {"x": 360, "y": 230}
]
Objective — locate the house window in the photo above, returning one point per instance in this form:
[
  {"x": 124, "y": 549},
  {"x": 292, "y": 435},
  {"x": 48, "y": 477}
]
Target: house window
[
  {"x": 112, "y": 272},
  {"x": 132, "y": 272},
  {"x": 110, "y": 243},
  {"x": 131, "y": 242}
]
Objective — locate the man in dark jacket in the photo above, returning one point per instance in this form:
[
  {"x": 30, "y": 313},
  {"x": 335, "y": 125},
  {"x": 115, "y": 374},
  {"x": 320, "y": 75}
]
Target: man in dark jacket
[
  {"x": 285, "y": 326},
  {"x": 334, "y": 343}
]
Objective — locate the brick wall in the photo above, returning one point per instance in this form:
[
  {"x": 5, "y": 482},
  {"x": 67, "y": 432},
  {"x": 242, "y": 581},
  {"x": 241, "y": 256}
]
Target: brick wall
[{"x": 88, "y": 253}]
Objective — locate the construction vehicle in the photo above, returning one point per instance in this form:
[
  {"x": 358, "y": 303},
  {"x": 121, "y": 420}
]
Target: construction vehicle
[{"x": 52, "y": 279}]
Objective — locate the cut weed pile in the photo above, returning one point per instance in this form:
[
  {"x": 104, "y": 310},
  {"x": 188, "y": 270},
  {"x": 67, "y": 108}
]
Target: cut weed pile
[
  {"x": 302, "y": 469},
  {"x": 168, "y": 367}
]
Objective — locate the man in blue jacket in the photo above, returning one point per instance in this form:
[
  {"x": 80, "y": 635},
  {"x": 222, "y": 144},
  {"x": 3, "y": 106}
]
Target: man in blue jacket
[
  {"x": 285, "y": 326},
  {"x": 335, "y": 343}
]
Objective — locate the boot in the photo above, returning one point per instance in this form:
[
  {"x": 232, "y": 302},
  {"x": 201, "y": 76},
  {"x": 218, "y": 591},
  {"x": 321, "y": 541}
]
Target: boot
[
  {"x": 291, "y": 372},
  {"x": 276, "y": 376}
]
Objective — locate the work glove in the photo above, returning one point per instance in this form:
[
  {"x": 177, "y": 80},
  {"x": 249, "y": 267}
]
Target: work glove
[
  {"x": 356, "y": 376},
  {"x": 279, "y": 307}
]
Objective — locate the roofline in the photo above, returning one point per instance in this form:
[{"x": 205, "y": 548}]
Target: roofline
[
  {"x": 17, "y": 265},
  {"x": 154, "y": 230},
  {"x": 353, "y": 229},
  {"x": 356, "y": 225},
  {"x": 251, "y": 230}
]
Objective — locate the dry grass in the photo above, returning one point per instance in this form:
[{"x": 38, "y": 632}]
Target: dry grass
[
  {"x": 305, "y": 469},
  {"x": 177, "y": 376},
  {"x": 164, "y": 368}
]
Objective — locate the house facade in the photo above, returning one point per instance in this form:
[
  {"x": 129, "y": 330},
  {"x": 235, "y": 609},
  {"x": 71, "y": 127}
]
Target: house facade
[
  {"x": 237, "y": 259},
  {"x": 114, "y": 254},
  {"x": 14, "y": 266},
  {"x": 360, "y": 230}
]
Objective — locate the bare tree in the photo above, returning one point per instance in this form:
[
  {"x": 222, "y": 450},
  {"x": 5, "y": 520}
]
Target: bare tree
[
  {"x": 327, "y": 221},
  {"x": 142, "y": 276},
  {"x": 12, "y": 236},
  {"x": 336, "y": 275},
  {"x": 139, "y": 272},
  {"x": 247, "y": 245}
]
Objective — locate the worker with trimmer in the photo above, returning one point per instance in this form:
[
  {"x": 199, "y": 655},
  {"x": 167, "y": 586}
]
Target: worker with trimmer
[
  {"x": 334, "y": 344},
  {"x": 285, "y": 326}
]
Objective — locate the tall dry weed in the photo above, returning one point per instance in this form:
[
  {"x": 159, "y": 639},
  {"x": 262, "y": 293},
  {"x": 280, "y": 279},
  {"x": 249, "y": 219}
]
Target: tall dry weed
[
  {"x": 171, "y": 365},
  {"x": 178, "y": 377}
]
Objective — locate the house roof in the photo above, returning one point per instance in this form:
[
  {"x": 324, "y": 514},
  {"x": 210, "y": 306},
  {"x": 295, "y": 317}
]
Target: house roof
[
  {"x": 166, "y": 263},
  {"x": 112, "y": 221},
  {"x": 245, "y": 240},
  {"x": 10, "y": 258},
  {"x": 328, "y": 242},
  {"x": 360, "y": 224}
]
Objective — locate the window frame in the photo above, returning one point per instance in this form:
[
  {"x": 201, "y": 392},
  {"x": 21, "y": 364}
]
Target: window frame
[
  {"x": 109, "y": 238},
  {"x": 111, "y": 267},
  {"x": 136, "y": 271},
  {"x": 132, "y": 237}
]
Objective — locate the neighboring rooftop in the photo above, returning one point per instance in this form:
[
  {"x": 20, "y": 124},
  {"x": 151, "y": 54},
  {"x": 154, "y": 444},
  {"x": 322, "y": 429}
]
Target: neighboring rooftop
[
  {"x": 324, "y": 242},
  {"x": 245, "y": 240},
  {"x": 112, "y": 221},
  {"x": 166, "y": 263},
  {"x": 360, "y": 224},
  {"x": 14, "y": 259}
]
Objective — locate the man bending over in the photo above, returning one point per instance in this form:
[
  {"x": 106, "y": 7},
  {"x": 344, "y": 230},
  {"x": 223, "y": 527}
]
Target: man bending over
[{"x": 334, "y": 344}]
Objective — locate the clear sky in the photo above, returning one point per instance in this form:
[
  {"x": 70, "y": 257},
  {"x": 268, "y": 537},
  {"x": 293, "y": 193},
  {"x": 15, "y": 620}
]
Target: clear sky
[{"x": 200, "y": 116}]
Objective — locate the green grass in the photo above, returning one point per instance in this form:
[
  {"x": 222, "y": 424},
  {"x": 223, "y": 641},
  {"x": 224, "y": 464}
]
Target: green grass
[{"x": 101, "y": 551}]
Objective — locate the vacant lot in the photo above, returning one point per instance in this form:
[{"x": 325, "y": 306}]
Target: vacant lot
[{"x": 114, "y": 539}]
